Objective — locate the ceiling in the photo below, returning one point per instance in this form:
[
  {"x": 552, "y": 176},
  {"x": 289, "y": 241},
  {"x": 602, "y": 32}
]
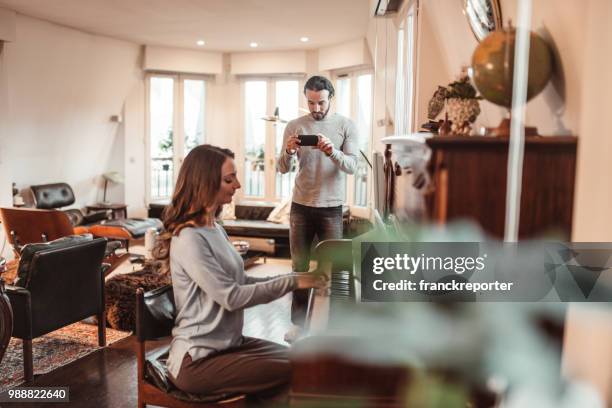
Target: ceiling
[{"x": 224, "y": 25}]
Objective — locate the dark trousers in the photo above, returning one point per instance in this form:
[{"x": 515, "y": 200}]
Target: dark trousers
[
  {"x": 258, "y": 368},
  {"x": 306, "y": 223}
]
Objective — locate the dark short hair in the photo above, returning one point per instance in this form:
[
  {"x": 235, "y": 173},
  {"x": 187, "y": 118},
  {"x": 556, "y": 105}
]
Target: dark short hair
[{"x": 319, "y": 83}]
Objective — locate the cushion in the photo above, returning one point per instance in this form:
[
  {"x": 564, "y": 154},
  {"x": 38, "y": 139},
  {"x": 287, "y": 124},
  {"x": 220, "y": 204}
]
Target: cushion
[
  {"x": 228, "y": 212},
  {"x": 156, "y": 374},
  {"x": 136, "y": 226},
  {"x": 29, "y": 250},
  {"x": 50, "y": 196},
  {"x": 280, "y": 213}
]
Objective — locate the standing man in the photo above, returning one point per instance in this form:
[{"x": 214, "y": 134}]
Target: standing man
[{"x": 318, "y": 194}]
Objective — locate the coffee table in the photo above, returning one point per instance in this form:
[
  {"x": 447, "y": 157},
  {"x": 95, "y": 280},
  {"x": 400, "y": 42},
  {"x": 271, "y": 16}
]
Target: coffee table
[{"x": 253, "y": 256}]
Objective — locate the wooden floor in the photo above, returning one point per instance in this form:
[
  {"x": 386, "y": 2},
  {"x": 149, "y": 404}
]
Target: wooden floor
[{"x": 107, "y": 377}]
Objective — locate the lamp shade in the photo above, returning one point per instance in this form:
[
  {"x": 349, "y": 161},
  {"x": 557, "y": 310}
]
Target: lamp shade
[{"x": 113, "y": 177}]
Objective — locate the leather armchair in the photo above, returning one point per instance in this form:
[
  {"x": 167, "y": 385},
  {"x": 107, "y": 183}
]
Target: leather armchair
[
  {"x": 27, "y": 225},
  {"x": 58, "y": 195},
  {"x": 65, "y": 285},
  {"x": 155, "y": 313}
]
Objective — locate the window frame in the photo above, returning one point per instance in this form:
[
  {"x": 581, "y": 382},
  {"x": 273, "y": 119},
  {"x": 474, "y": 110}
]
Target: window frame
[
  {"x": 178, "y": 136},
  {"x": 405, "y": 112},
  {"x": 270, "y": 158},
  {"x": 353, "y": 74}
]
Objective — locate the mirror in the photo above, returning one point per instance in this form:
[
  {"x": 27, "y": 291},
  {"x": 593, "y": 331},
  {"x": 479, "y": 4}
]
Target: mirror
[{"x": 484, "y": 16}]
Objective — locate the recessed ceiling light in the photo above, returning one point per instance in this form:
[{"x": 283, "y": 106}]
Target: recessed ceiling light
[
  {"x": 253, "y": 45},
  {"x": 304, "y": 39},
  {"x": 200, "y": 42}
]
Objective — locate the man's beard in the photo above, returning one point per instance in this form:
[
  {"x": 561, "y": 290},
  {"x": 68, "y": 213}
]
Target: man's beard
[{"x": 320, "y": 115}]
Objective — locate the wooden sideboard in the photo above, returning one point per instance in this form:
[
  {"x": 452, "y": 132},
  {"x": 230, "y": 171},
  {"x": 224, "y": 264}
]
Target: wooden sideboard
[{"x": 469, "y": 175}]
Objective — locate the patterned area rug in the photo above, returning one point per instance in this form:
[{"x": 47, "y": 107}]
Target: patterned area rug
[{"x": 53, "y": 350}]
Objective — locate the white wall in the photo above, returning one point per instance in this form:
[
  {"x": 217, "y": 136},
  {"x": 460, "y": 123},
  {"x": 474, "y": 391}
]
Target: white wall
[
  {"x": 589, "y": 329},
  {"x": 7, "y": 25},
  {"x": 223, "y": 111},
  {"x": 349, "y": 54},
  {"x": 7, "y": 33},
  {"x": 63, "y": 85},
  {"x": 182, "y": 60},
  {"x": 5, "y": 180},
  {"x": 592, "y": 216},
  {"x": 134, "y": 150},
  {"x": 263, "y": 63}
]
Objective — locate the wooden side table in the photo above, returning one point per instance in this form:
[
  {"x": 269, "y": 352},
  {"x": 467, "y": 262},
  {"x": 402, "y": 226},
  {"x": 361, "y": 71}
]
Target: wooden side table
[{"x": 118, "y": 210}]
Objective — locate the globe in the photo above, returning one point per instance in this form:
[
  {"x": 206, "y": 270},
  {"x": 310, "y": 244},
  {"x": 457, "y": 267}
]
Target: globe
[{"x": 493, "y": 66}]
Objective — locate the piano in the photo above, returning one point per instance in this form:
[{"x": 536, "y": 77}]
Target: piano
[{"x": 329, "y": 380}]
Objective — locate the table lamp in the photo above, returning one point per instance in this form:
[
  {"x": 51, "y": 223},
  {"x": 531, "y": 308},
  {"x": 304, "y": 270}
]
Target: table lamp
[{"x": 113, "y": 177}]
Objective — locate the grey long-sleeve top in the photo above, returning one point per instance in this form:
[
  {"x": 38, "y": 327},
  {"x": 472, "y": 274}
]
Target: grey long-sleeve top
[
  {"x": 320, "y": 181},
  {"x": 210, "y": 291}
]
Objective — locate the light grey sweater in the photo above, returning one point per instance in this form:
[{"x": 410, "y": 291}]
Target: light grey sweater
[
  {"x": 320, "y": 181},
  {"x": 211, "y": 290}
]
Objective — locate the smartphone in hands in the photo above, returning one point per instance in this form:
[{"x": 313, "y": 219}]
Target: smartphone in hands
[{"x": 308, "y": 140}]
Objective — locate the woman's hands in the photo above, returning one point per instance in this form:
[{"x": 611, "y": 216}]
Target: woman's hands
[{"x": 310, "y": 280}]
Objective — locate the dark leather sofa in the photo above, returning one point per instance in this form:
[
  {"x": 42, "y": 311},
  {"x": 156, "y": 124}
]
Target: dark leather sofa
[{"x": 251, "y": 225}]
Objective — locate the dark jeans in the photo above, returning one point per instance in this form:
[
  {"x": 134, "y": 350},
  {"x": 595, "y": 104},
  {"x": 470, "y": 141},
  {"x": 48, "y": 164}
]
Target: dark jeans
[{"x": 306, "y": 223}]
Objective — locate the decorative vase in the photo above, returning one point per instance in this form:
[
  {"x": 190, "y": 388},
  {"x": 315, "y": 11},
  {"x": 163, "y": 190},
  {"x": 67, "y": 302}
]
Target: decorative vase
[{"x": 462, "y": 113}]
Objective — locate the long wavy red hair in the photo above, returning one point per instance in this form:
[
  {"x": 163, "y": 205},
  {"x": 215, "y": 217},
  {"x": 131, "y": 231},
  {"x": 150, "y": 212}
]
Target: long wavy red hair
[{"x": 197, "y": 185}]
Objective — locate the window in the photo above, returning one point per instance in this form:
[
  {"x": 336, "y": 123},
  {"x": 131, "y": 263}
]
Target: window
[
  {"x": 176, "y": 124},
  {"x": 255, "y": 96},
  {"x": 263, "y": 140},
  {"x": 358, "y": 108},
  {"x": 404, "y": 98},
  {"x": 287, "y": 97}
]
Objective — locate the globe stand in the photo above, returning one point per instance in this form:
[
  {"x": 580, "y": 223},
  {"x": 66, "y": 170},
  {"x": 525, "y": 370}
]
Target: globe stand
[{"x": 503, "y": 130}]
